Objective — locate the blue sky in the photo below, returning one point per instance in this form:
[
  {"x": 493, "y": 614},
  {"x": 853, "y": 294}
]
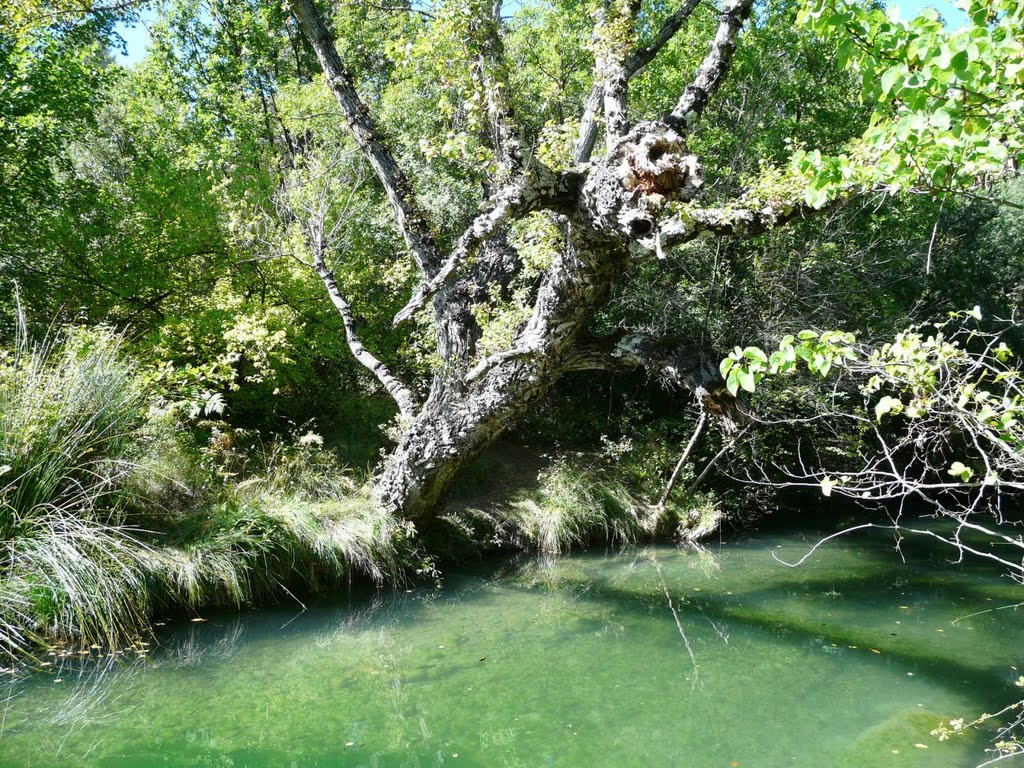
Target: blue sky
[
  {"x": 910, "y": 8},
  {"x": 137, "y": 38}
]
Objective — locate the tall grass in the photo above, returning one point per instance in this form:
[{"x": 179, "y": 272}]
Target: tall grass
[
  {"x": 584, "y": 499},
  {"x": 290, "y": 517},
  {"x": 573, "y": 502},
  {"x": 77, "y": 459},
  {"x": 70, "y": 415},
  {"x": 265, "y": 547}
]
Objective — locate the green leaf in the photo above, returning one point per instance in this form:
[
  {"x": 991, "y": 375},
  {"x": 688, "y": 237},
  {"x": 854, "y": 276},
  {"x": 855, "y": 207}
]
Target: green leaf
[
  {"x": 891, "y": 76},
  {"x": 725, "y": 366},
  {"x": 887, "y": 405},
  {"x": 753, "y": 353},
  {"x": 941, "y": 119},
  {"x": 961, "y": 470},
  {"x": 732, "y": 382}
]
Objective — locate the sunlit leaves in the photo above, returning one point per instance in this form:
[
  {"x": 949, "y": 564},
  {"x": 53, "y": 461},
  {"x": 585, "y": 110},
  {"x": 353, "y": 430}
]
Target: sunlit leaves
[
  {"x": 948, "y": 105},
  {"x": 745, "y": 368},
  {"x": 961, "y": 471}
]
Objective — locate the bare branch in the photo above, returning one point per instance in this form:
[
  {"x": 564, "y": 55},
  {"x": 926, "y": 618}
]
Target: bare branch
[
  {"x": 1016, "y": 569},
  {"x": 682, "y": 459},
  {"x": 411, "y": 221},
  {"x": 399, "y": 392},
  {"x": 644, "y": 55},
  {"x": 713, "y": 69}
]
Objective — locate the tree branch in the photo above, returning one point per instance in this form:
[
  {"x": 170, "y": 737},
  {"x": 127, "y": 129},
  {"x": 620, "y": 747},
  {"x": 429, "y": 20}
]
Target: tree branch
[
  {"x": 411, "y": 221},
  {"x": 725, "y": 221},
  {"x": 511, "y": 202},
  {"x": 675, "y": 361},
  {"x": 497, "y": 359},
  {"x": 399, "y": 392},
  {"x": 713, "y": 69},
  {"x": 612, "y": 68},
  {"x": 632, "y": 65},
  {"x": 531, "y": 191},
  {"x": 493, "y": 74},
  {"x": 588, "y": 125},
  {"x": 643, "y": 56},
  {"x": 701, "y": 420}
]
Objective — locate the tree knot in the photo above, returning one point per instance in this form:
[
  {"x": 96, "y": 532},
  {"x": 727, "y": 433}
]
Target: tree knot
[{"x": 624, "y": 193}]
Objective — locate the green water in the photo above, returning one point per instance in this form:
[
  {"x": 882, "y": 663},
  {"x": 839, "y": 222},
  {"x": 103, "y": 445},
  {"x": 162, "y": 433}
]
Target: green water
[{"x": 577, "y": 662}]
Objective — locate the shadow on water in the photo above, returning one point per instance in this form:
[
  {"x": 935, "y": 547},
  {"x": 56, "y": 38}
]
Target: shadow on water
[{"x": 983, "y": 679}]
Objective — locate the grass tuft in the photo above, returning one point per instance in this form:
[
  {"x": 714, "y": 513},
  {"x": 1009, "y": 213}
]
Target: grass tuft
[
  {"x": 578, "y": 500},
  {"x": 70, "y": 415},
  {"x": 82, "y": 456}
]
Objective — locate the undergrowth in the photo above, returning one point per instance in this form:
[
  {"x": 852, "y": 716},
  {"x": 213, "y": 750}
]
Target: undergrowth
[
  {"x": 582, "y": 499},
  {"x": 109, "y": 512},
  {"x": 117, "y": 504}
]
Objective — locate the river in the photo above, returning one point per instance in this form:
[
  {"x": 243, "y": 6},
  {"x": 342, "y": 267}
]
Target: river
[{"x": 652, "y": 656}]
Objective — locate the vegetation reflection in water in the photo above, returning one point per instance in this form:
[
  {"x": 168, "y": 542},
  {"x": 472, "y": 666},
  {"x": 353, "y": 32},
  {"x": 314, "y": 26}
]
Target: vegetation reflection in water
[{"x": 849, "y": 660}]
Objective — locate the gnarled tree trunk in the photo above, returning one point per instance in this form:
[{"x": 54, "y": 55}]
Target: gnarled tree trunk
[{"x": 612, "y": 212}]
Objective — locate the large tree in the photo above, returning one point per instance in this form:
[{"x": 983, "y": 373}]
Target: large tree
[{"x": 639, "y": 195}]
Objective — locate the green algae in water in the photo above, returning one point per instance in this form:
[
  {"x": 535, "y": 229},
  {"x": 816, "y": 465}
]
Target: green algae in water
[{"x": 580, "y": 661}]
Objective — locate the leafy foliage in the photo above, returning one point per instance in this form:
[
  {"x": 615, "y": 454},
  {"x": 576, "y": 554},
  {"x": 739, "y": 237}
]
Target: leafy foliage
[{"x": 948, "y": 104}]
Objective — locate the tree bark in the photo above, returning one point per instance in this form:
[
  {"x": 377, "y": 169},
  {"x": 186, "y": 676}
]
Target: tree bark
[
  {"x": 462, "y": 417},
  {"x": 617, "y": 202}
]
